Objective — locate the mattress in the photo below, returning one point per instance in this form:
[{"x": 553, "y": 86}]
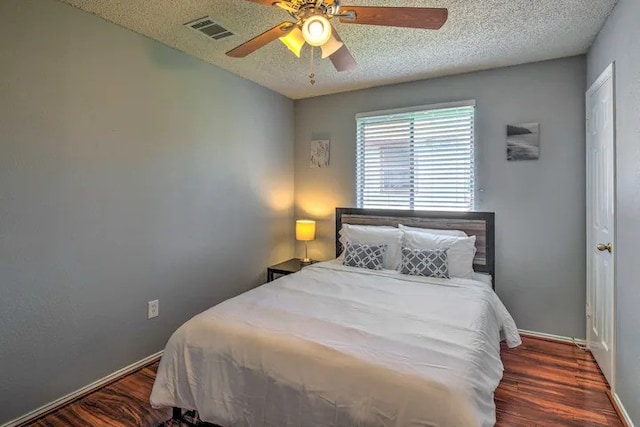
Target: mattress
[{"x": 339, "y": 346}]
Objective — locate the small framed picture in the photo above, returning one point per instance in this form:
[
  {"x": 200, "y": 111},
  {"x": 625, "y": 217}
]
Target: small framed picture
[
  {"x": 319, "y": 153},
  {"x": 523, "y": 141}
]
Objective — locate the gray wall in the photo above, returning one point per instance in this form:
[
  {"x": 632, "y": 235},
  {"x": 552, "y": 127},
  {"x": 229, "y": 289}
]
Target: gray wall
[
  {"x": 128, "y": 172},
  {"x": 619, "y": 41},
  {"x": 539, "y": 205}
]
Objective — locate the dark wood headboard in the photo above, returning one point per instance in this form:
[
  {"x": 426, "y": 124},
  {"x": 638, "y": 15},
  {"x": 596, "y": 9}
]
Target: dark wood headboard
[{"x": 479, "y": 224}]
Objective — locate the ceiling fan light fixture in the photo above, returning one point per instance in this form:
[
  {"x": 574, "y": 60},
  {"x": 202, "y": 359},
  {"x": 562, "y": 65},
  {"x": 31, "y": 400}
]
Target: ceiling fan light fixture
[
  {"x": 331, "y": 47},
  {"x": 316, "y": 30},
  {"x": 294, "y": 41}
]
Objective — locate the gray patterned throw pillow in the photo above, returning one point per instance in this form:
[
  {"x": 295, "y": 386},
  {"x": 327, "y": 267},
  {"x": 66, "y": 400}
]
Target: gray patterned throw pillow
[
  {"x": 425, "y": 262},
  {"x": 364, "y": 256}
]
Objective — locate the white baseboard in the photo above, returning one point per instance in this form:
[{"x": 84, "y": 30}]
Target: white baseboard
[
  {"x": 36, "y": 413},
  {"x": 622, "y": 410},
  {"x": 560, "y": 338}
]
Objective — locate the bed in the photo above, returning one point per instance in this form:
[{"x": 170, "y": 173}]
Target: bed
[{"x": 334, "y": 345}]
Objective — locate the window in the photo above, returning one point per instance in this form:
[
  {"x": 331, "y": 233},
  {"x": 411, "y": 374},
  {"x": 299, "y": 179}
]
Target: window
[{"x": 418, "y": 158}]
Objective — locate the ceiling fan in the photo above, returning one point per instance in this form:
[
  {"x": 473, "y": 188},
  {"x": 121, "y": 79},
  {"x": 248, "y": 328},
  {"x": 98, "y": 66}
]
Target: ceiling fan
[{"x": 312, "y": 26}]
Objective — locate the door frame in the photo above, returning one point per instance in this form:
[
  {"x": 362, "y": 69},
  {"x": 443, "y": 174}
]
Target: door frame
[{"x": 608, "y": 73}]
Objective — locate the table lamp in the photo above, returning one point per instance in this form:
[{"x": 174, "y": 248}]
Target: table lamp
[{"x": 305, "y": 231}]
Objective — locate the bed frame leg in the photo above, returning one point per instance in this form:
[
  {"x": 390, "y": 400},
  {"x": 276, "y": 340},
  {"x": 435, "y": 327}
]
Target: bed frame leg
[{"x": 177, "y": 414}]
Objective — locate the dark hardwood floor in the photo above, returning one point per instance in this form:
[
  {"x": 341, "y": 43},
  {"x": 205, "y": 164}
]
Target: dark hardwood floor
[
  {"x": 545, "y": 384},
  {"x": 124, "y": 403},
  {"x": 552, "y": 384}
]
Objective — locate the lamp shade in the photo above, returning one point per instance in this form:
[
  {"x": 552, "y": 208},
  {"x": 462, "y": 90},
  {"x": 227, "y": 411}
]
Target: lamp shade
[
  {"x": 305, "y": 229},
  {"x": 331, "y": 47},
  {"x": 294, "y": 41},
  {"x": 316, "y": 30}
]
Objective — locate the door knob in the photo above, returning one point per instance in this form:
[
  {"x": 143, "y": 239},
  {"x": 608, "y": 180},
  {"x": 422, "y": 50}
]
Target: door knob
[{"x": 602, "y": 247}]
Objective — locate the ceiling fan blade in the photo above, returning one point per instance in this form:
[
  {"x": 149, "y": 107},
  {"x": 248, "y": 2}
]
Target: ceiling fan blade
[
  {"x": 342, "y": 59},
  {"x": 409, "y": 17},
  {"x": 285, "y": 5},
  {"x": 262, "y": 40},
  {"x": 264, "y": 2}
]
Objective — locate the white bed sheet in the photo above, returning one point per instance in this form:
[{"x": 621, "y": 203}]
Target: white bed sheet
[{"x": 340, "y": 346}]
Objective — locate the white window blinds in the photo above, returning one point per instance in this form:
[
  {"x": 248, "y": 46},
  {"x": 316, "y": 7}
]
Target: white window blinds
[{"x": 416, "y": 159}]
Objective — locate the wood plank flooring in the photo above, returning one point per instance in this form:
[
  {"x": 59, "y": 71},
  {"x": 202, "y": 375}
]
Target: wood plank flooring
[
  {"x": 552, "y": 384},
  {"x": 124, "y": 403},
  {"x": 545, "y": 384}
]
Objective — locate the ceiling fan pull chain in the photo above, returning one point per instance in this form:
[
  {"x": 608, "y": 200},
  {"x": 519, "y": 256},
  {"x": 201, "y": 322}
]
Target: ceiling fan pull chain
[{"x": 311, "y": 73}]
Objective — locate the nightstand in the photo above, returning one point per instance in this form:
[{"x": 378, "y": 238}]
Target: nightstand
[{"x": 291, "y": 266}]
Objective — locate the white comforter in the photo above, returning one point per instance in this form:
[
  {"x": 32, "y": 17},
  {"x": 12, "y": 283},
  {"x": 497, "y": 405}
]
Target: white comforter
[{"x": 339, "y": 346}]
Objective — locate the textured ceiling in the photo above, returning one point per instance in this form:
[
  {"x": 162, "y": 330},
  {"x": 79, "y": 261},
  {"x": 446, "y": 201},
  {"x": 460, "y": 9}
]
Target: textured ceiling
[{"x": 479, "y": 34}]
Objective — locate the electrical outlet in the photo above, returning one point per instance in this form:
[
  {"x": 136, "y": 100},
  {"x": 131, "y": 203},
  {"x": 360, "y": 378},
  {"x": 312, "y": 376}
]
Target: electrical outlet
[{"x": 153, "y": 309}]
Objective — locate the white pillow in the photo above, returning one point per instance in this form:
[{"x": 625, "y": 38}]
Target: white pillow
[
  {"x": 461, "y": 250},
  {"x": 376, "y": 235},
  {"x": 363, "y": 228},
  {"x": 457, "y": 233}
]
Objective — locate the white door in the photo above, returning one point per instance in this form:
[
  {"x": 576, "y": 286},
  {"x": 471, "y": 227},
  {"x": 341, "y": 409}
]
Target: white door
[{"x": 601, "y": 222}]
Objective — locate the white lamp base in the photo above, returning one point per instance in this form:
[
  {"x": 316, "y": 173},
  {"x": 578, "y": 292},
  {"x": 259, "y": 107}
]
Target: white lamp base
[{"x": 306, "y": 259}]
